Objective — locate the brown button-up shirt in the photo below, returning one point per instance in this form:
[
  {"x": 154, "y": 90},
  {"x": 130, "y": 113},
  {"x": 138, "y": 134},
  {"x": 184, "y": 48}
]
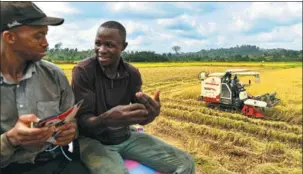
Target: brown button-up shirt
[{"x": 101, "y": 93}]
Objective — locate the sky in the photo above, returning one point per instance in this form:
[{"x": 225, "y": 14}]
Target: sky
[{"x": 158, "y": 26}]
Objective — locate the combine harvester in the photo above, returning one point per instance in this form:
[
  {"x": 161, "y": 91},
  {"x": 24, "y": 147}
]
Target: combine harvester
[{"x": 223, "y": 90}]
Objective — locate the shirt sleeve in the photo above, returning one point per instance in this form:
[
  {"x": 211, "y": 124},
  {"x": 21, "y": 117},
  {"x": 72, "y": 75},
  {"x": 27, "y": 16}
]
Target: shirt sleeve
[
  {"x": 137, "y": 84},
  {"x": 83, "y": 89},
  {"x": 67, "y": 96},
  {"x": 7, "y": 150}
]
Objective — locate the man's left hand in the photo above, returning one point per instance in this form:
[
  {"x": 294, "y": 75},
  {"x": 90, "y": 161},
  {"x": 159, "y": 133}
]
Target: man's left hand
[
  {"x": 67, "y": 134},
  {"x": 153, "y": 105}
]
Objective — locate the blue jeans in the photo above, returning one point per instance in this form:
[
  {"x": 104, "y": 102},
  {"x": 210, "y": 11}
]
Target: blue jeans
[{"x": 141, "y": 147}]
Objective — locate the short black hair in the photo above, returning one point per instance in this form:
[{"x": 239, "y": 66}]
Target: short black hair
[{"x": 115, "y": 25}]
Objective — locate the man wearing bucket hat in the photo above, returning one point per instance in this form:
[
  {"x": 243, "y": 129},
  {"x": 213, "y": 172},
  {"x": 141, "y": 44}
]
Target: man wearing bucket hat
[{"x": 32, "y": 89}]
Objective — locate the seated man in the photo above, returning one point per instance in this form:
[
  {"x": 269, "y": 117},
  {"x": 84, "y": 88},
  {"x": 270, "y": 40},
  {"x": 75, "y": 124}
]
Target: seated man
[
  {"x": 31, "y": 89},
  {"x": 108, "y": 85}
]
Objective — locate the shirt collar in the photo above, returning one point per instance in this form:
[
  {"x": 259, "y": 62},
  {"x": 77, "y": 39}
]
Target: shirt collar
[
  {"x": 121, "y": 72},
  {"x": 31, "y": 69}
]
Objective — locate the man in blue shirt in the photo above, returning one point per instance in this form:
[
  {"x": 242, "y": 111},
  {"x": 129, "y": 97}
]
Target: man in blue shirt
[{"x": 32, "y": 89}]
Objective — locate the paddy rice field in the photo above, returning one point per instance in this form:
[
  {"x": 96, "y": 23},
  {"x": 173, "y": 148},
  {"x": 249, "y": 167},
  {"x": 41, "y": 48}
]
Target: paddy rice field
[{"x": 223, "y": 142}]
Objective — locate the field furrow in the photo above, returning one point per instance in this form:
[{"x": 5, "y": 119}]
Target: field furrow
[
  {"x": 233, "y": 125},
  {"x": 224, "y": 145},
  {"x": 279, "y": 126}
]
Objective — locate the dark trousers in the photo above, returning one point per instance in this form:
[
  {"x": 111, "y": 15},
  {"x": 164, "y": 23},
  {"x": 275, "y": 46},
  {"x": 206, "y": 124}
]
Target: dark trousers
[
  {"x": 57, "y": 166},
  {"x": 50, "y": 163}
]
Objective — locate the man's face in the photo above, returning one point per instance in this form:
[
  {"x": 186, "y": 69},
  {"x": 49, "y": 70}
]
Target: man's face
[
  {"x": 30, "y": 42},
  {"x": 108, "y": 46}
]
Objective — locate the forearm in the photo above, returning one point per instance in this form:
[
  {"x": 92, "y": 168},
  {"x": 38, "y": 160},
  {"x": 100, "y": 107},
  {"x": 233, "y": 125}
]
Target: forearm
[
  {"x": 7, "y": 150},
  {"x": 92, "y": 123}
]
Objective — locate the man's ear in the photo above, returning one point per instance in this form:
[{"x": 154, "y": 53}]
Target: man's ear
[
  {"x": 9, "y": 37},
  {"x": 124, "y": 46}
]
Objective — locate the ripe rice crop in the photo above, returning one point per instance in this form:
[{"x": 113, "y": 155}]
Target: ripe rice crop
[{"x": 228, "y": 142}]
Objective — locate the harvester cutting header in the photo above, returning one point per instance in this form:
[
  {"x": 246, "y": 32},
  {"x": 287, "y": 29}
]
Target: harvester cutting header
[{"x": 223, "y": 90}]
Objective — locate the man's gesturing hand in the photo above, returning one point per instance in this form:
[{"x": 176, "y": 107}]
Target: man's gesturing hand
[
  {"x": 22, "y": 135},
  {"x": 125, "y": 115},
  {"x": 152, "y": 105}
]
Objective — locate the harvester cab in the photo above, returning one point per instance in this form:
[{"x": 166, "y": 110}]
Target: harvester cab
[{"x": 225, "y": 91}]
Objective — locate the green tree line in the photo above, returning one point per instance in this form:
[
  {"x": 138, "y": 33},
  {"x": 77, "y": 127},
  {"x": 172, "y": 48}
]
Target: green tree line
[{"x": 234, "y": 54}]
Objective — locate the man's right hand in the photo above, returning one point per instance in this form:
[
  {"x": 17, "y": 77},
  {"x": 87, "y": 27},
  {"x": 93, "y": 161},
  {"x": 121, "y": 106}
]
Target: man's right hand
[
  {"x": 22, "y": 135},
  {"x": 125, "y": 115}
]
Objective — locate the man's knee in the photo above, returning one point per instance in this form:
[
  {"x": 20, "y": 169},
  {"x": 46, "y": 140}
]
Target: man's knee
[
  {"x": 88, "y": 146},
  {"x": 191, "y": 162},
  {"x": 188, "y": 162},
  {"x": 90, "y": 152}
]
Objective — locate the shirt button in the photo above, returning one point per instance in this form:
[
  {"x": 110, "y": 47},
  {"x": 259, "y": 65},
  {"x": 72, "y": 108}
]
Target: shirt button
[{"x": 21, "y": 106}]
